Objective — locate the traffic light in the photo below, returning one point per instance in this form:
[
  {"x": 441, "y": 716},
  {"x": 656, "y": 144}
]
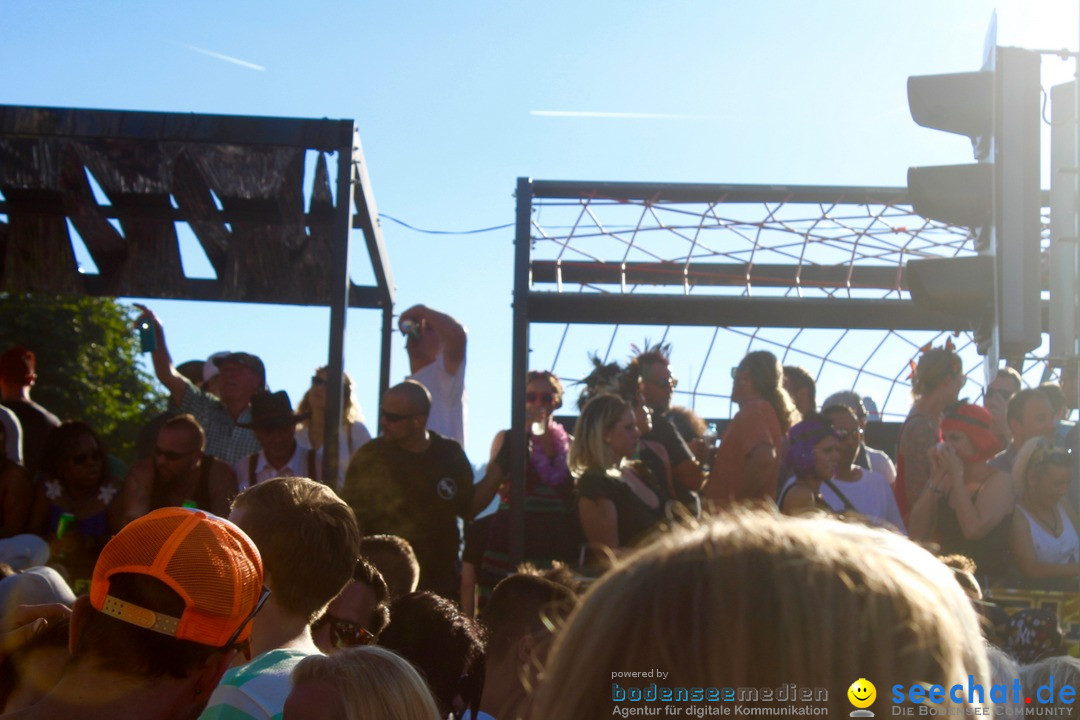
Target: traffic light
[{"x": 998, "y": 198}]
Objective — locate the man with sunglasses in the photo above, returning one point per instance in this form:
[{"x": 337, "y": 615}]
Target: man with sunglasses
[
  {"x": 309, "y": 542},
  {"x": 414, "y": 483},
  {"x": 171, "y": 603},
  {"x": 657, "y": 386},
  {"x": 179, "y": 473}
]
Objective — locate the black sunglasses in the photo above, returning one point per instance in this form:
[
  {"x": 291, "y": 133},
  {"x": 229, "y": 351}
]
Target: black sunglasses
[
  {"x": 169, "y": 454},
  {"x": 85, "y": 457},
  {"x": 316, "y": 380},
  {"x": 243, "y": 623},
  {"x": 395, "y": 417},
  {"x": 544, "y": 398},
  {"x": 343, "y": 633}
]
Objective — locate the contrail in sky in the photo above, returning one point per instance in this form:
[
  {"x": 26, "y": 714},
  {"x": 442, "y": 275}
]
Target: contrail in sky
[
  {"x": 219, "y": 56},
  {"x": 619, "y": 115}
]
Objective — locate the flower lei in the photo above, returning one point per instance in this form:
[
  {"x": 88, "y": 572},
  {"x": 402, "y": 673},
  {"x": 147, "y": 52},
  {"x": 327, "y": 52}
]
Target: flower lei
[{"x": 551, "y": 470}]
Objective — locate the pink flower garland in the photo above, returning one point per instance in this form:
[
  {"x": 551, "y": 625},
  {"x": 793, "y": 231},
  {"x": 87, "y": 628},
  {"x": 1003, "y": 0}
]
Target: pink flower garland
[{"x": 552, "y": 470}]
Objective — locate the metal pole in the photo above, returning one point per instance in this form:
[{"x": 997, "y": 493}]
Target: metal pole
[
  {"x": 520, "y": 367},
  {"x": 387, "y": 342},
  {"x": 339, "y": 303}
]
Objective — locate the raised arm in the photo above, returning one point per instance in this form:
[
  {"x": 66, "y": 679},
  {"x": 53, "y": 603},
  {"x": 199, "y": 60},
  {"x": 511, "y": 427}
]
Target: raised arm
[
  {"x": 922, "y": 518},
  {"x": 995, "y": 501},
  {"x": 450, "y": 331},
  {"x": 163, "y": 366}
]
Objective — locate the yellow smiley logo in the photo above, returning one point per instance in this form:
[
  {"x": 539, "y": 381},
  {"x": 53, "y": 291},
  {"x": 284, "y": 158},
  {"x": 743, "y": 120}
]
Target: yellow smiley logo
[{"x": 862, "y": 693}]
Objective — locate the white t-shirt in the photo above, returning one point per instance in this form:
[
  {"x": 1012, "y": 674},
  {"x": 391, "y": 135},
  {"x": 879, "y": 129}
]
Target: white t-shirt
[
  {"x": 347, "y": 445},
  {"x": 296, "y": 467},
  {"x": 870, "y": 495},
  {"x": 448, "y": 400},
  {"x": 1052, "y": 550}
]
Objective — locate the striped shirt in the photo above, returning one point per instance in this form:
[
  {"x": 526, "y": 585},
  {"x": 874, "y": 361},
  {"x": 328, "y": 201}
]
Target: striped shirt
[{"x": 255, "y": 691}]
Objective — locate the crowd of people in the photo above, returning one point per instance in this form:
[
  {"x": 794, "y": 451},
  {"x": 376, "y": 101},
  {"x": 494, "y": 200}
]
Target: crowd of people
[{"x": 220, "y": 575}]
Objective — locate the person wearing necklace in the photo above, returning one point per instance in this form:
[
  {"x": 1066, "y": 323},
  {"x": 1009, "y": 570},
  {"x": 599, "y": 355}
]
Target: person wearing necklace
[
  {"x": 1045, "y": 544},
  {"x": 965, "y": 505},
  {"x": 813, "y": 453},
  {"x": 551, "y": 530}
]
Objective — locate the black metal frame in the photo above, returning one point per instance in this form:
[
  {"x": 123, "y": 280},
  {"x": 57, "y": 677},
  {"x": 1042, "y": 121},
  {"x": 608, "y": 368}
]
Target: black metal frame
[
  {"x": 37, "y": 191},
  {"x": 667, "y": 309}
]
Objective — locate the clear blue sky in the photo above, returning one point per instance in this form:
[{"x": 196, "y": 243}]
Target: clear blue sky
[{"x": 444, "y": 94}]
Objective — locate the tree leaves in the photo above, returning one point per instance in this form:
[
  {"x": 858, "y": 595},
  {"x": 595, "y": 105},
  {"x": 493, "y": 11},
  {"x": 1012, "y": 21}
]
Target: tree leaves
[{"x": 86, "y": 351}]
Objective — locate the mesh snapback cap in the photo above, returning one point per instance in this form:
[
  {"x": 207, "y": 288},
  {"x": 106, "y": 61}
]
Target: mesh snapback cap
[{"x": 209, "y": 562}]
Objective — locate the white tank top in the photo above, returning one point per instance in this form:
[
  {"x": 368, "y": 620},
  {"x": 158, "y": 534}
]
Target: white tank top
[{"x": 1054, "y": 550}]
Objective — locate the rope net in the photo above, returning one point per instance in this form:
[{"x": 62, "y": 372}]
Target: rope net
[{"x": 847, "y": 247}]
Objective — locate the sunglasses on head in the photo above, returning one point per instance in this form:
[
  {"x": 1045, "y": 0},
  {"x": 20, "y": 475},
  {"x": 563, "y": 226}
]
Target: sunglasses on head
[
  {"x": 545, "y": 398},
  {"x": 1049, "y": 454},
  {"x": 343, "y": 633},
  {"x": 85, "y": 457}
]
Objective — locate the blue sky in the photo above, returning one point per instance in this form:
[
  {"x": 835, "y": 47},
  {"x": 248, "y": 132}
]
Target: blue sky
[{"x": 445, "y": 96}]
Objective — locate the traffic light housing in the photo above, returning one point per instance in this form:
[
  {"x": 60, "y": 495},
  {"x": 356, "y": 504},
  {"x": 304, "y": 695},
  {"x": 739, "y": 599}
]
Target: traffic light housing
[{"x": 998, "y": 198}]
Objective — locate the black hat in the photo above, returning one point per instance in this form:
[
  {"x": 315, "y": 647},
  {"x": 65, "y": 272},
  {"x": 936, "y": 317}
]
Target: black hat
[
  {"x": 272, "y": 410},
  {"x": 247, "y": 360}
]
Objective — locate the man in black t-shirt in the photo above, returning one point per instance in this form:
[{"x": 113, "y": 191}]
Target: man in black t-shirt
[{"x": 414, "y": 483}]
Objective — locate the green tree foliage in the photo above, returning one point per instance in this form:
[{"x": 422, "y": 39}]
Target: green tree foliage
[{"x": 86, "y": 351}]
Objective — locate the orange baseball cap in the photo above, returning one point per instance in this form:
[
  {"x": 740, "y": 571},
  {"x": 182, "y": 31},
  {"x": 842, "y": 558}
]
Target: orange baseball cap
[{"x": 207, "y": 561}]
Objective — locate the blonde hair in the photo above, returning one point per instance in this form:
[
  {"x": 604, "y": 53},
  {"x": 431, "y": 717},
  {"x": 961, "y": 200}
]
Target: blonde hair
[
  {"x": 1023, "y": 462},
  {"x": 350, "y": 409},
  {"x": 757, "y": 600},
  {"x": 767, "y": 379},
  {"x": 371, "y": 682},
  {"x": 588, "y": 451}
]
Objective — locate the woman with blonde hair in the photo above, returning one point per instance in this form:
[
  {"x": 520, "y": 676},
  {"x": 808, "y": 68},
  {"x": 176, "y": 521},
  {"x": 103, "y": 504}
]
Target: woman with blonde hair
[
  {"x": 352, "y": 433},
  {"x": 936, "y": 381},
  {"x": 359, "y": 684},
  {"x": 755, "y": 600},
  {"x": 1045, "y": 544},
  {"x": 747, "y": 463},
  {"x": 615, "y": 508}
]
